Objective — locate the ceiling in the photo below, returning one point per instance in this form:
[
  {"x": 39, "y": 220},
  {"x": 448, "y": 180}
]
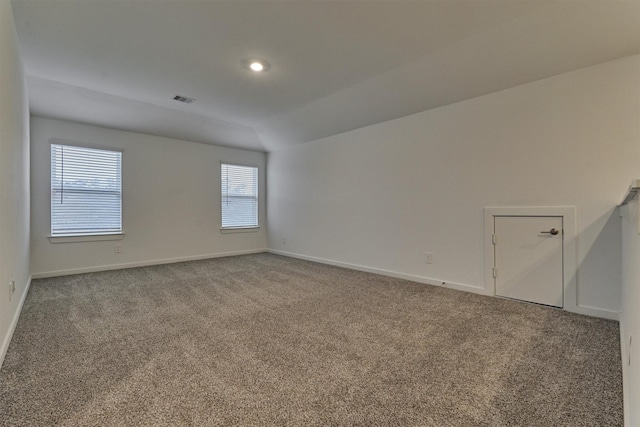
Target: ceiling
[{"x": 334, "y": 65}]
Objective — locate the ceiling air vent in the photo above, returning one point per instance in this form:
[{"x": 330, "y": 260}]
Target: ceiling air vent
[{"x": 184, "y": 99}]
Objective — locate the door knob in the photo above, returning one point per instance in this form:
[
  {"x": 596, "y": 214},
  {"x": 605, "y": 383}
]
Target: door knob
[{"x": 553, "y": 232}]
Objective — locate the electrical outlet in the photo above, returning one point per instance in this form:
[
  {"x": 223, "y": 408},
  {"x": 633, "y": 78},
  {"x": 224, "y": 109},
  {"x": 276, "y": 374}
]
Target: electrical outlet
[
  {"x": 428, "y": 258},
  {"x": 284, "y": 240},
  {"x": 117, "y": 249}
]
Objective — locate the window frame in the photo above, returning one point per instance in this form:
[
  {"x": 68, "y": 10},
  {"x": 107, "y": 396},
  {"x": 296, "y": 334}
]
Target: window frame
[
  {"x": 240, "y": 229},
  {"x": 92, "y": 235}
]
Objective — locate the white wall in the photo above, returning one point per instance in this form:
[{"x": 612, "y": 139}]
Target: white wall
[
  {"x": 630, "y": 318},
  {"x": 14, "y": 178},
  {"x": 171, "y": 201},
  {"x": 381, "y": 196}
]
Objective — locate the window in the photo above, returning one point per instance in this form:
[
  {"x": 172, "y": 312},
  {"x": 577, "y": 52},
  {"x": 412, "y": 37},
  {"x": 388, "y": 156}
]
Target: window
[
  {"x": 239, "y": 196},
  {"x": 86, "y": 191}
]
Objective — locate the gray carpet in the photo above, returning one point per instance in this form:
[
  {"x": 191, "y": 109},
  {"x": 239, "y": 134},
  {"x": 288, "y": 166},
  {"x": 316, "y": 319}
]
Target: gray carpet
[{"x": 268, "y": 340}]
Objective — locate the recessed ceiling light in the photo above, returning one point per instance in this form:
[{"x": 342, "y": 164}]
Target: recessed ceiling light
[{"x": 256, "y": 65}]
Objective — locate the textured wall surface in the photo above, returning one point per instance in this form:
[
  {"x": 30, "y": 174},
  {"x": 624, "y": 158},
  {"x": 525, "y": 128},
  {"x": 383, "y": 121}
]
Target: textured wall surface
[
  {"x": 382, "y": 196},
  {"x": 171, "y": 201},
  {"x": 14, "y": 177}
]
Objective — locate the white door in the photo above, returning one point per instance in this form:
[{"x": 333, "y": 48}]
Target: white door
[{"x": 528, "y": 258}]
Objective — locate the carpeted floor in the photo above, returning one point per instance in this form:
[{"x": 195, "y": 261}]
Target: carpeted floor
[{"x": 268, "y": 340}]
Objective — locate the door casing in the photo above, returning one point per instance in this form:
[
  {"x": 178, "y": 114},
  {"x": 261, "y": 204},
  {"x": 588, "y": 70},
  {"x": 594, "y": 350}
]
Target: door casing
[{"x": 569, "y": 249}]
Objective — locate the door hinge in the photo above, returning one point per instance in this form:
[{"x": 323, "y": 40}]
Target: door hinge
[
  {"x": 493, "y": 239},
  {"x": 495, "y": 272}
]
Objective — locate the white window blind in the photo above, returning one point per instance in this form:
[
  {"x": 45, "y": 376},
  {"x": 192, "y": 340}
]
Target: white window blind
[
  {"x": 86, "y": 191},
  {"x": 239, "y": 196}
]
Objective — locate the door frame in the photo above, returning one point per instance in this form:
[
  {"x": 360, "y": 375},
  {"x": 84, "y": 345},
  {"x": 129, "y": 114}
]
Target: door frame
[{"x": 569, "y": 246}]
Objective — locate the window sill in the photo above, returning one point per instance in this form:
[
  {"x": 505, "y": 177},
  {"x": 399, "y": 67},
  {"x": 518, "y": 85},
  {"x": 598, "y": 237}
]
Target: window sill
[
  {"x": 239, "y": 230},
  {"x": 86, "y": 238}
]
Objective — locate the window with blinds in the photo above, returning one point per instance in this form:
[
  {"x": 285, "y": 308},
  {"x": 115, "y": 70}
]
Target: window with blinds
[
  {"x": 239, "y": 196},
  {"x": 86, "y": 191}
]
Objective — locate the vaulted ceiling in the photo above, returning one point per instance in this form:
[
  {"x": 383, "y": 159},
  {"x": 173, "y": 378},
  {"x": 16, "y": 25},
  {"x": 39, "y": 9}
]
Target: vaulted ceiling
[{"x": 334, "y": 65}]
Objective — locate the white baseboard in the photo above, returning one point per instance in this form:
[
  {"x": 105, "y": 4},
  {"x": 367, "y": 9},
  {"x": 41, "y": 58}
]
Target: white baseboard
[
  {"x": 588, "y": 311},
  {"x": 594, "y": 312},
  {"x": 56, "y": 273},
  {"x": 395, "y": 274},
  {"x": 14, "y": 322},
  {"x": 625, "y": 373}
]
